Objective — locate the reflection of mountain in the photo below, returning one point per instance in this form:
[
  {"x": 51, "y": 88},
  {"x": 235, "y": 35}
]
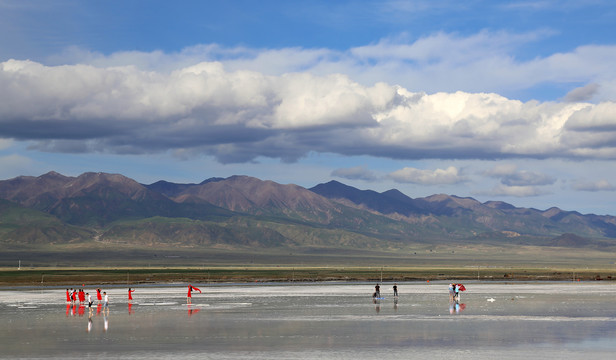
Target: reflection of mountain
[{"x": 245, "y": 211}]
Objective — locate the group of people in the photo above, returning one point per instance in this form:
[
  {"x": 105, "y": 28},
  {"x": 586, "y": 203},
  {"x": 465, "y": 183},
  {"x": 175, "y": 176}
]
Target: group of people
[
  {"x": 377, "y": 291},
  {"x": 79, "y": 295},
  {"x": 454, "y": 292}
]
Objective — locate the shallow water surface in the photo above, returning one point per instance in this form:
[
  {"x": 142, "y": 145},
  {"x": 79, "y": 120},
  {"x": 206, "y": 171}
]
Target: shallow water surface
[{"x": 315, "y": 321}]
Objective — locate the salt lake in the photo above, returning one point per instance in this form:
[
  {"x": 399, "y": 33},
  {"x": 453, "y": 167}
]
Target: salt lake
[{"x": 548, "y": 320}]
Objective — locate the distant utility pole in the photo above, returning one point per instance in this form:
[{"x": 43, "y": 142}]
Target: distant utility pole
[{"x": 19, "y": 266}]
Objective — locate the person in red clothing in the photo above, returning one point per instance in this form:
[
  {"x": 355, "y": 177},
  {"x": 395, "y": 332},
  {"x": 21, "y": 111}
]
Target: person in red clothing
[
  {"x": 74, "y": 295},
  {"x": 99, "y": 296},
  {"x": 130, "y": 296},
  {"x": 189, "y": 296},
  {"x": 82, "y": 296},
  {"x": 68, "y": 296}
]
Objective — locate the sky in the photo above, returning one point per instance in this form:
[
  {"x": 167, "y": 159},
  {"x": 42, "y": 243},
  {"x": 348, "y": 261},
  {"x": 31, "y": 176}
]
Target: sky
[{"x": 497, "y": 100}]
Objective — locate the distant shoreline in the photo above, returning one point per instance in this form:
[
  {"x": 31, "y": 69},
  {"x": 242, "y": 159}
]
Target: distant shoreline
[{"x": 237, "y": 274}]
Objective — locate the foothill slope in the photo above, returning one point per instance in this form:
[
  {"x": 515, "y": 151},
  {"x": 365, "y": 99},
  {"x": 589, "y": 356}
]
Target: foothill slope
[{"x": 55, "y": 214}]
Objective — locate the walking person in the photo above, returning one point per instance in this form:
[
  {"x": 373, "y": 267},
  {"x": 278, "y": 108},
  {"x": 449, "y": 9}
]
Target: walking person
[
  {"x": 99, "y": 297},
  {"x": 377, "y": 290},
  {"x": 395, "y": 290},
  {"x": 105, "y": 303},
  {"x": 130, "y": 296}
]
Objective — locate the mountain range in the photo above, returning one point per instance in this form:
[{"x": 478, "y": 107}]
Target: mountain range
[{"x": 242, "y": 211}]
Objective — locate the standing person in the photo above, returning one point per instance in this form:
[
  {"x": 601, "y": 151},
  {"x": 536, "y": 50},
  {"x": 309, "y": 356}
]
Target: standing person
[
  {"x": 130, "y": 296},
  {"x": 74, "y": 295},
  {"x": 89, "y": 303},
  {"x": 451, "y": 292},
  {"x": 395, "y": 290},
  {"x": 99, "y": 297},
  {"x": 68, "y": 296},
  {"x": 82, "y": 296},
  {"x": 456, "y": 295},
  {"x": 459, "y": 287},
  {"x": 105, "y": 303},
  {"x": 377, "y": 290},
  {"x": 189, "y": 295}
]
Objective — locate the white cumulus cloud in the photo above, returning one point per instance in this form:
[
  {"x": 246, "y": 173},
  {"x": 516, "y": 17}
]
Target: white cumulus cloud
[
  {"x": 510, "y": 176},
  {"x": 239, "y": 114},
  {"x": 514, "y": 191},
  {"x": 450, "y": 175},
  {"x": 598, "y": 185}
]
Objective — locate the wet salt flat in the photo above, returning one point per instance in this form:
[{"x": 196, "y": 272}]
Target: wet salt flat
[{"x": 316, "y": 321}]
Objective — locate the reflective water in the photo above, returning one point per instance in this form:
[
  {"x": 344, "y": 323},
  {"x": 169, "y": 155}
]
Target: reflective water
[{"x": 316, "y": 321}]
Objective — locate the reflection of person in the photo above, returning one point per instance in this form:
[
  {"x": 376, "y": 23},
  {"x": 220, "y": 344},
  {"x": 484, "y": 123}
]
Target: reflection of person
[
  {"x": 192, "y": 311},
  {"x": 377, "y": 290},
  {"x": 395, "y": 289},
  {"x": 456, "y": 307},
  {"x": 396, "y": 304},
  {"x": 130, "y": 309},
  {"x": 105, "y": 323},
  {"x": 130, "y": 296},
  {"x": 189, "y": 295}
]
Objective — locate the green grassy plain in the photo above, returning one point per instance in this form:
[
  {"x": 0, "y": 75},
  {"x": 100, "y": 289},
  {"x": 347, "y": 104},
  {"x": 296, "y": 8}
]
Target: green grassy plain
[
  {"x": 99, "y": 264},
  {"x": 136, "y": 276}
]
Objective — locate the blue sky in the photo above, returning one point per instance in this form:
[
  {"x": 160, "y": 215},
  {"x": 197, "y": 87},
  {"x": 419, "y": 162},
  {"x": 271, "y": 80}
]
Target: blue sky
[{"x": 497, "y": 100}]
